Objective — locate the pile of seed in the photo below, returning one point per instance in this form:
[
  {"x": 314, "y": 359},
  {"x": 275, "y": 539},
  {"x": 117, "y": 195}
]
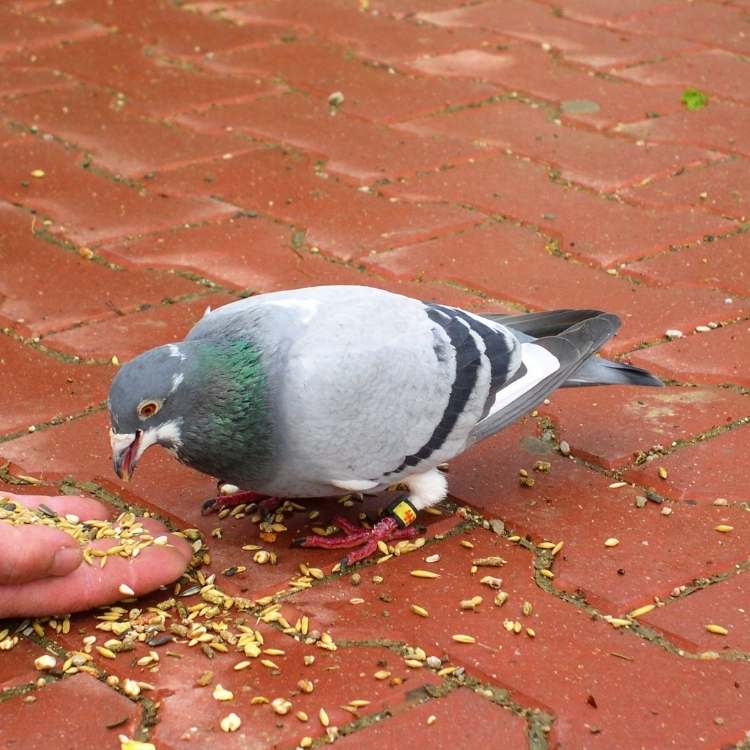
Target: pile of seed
[{"x": 127, "y": 530}]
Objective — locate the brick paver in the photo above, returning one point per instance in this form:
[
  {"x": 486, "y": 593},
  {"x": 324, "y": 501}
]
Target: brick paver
[{"x": 159, "y": 157}]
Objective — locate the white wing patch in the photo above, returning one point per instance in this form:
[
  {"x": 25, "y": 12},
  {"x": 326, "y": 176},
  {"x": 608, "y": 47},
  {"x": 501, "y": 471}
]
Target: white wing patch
[{"x": 539, "y": 364}]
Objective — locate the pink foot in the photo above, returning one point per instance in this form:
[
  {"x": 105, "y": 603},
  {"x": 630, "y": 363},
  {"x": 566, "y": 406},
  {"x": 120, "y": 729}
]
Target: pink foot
[
  {"x": 265, "y": 503},
  {"x": 385, "y": 530}
]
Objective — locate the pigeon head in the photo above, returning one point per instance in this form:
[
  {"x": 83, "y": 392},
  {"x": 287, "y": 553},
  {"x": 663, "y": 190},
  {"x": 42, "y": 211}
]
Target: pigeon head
[
  {"x": 205, "y": 401},
  {"x": 144, "y": 405}
]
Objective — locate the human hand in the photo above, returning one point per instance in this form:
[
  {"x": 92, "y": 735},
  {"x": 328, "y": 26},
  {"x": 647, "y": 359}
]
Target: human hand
[{"x": 42, "y": 570}]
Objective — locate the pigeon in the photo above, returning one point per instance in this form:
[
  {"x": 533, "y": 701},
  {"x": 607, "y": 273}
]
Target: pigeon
[{"x": 349, "y": 389}]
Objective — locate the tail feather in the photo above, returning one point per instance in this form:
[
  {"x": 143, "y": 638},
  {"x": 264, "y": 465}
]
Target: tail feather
[
  {"x": 600, "y": 371},
  {"x": 595, "y": 370}
]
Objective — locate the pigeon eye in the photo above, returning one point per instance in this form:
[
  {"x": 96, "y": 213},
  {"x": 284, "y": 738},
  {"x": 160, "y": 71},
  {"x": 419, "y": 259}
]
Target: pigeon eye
[{"x": 147, "y": 409}]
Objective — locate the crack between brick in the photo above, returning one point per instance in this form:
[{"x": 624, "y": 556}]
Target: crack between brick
[
  {"x": 538, "y": 722},
  {"x": 54, "y": 422}
]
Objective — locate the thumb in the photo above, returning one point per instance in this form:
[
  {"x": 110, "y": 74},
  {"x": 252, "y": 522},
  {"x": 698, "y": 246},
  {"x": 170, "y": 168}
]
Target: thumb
[{"x": 31, "y": 552}]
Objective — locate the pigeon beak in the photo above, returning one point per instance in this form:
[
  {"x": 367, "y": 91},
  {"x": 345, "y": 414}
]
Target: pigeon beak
[{"x": 125, "y": 452}]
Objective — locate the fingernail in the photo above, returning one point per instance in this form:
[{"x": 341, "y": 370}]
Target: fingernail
[{"x": 65, "y": 561}]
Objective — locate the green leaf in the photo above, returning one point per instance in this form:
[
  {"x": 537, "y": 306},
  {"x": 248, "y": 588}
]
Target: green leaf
[{"x": 694, "y": 99}]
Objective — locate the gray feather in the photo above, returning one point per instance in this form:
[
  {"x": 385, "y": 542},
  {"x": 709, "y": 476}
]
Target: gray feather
[{"x": 571, "y": 348}]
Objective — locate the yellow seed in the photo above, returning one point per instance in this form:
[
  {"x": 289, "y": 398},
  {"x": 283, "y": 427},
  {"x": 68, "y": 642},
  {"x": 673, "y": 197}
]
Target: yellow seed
[
  {"x": 125, "y": 590},
  {"x": 241, "y": 665},
  {"x": 462, "y": 638},
  {"x": 358, "y": 703},
  {"x": 547, "y": 573},
  {"x": 323, "y": 716},
  {"x": 105, "y": 652},
  {"x": 38, "y": 173},
  {"x": 644, "y": 610},
  {"x": 663, "y": 473},
  {"x": 557, "y": 547},
  {"x": 382, "y": 674},
  {"x": 306, "y": 686},
  {"x": 301, "y": 715},
  {"x": 531, "y": 632},
  {"x": 527, "y": 608},
  {"x": 413, "y": 663},
  {"x": 466, "y": 543},
  {"x": 618, "y": 622},
  {"x": 424, "y": 574},
  {"x": 546, "y": 545},
  {"x": 611, "y": 542},
  {"x": 723, "y": 528},
  {"x": 717, "y": 629},
  {"x": 421, "y": 611},
  {"x": 268, "y": 663},
  {"x": 306, "y": 742},
  {"x": 431, "y": 720}
]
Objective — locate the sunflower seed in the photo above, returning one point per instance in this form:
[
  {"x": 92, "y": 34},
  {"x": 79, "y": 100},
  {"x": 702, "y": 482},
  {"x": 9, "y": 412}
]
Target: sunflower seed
[
  {"x": 45, "y": 662},
  {"x": 222, "y": 694},
  {"x": 230, "y": 723},
  {"x": 281, "y": 706}
]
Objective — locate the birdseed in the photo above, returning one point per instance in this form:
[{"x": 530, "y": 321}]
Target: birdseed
[
  {"x": 717, "y": 629},
  {"x": 417, "y": 610},
  {"x": 127, "y": 529},
  {"x": 463, "y": 638},
  {"x": 424, "y": 574},
  {"x": 230, "y": 723},
  {"x": 611, "y": 542},
  {"x": 45, "y": 662},
  {"x": 281, "y": 706},
  {"x": 500, "y": 598},
  {"x": 489, "y": 562},
  {"x": 222, "y": 694},
  {"x": 723, "y": 528},
  {"x": 644, "y": 610}
]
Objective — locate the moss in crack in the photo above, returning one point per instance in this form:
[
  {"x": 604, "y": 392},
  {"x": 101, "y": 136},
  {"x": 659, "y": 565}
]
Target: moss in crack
[{"x": 539, "y": 723}]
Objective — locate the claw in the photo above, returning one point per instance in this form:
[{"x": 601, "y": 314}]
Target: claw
[{"x": 386, "y": 530}]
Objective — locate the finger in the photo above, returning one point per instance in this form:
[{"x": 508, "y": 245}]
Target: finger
[
  {"x": 31, "y": 552},
  {"x": 83, "y": 507},
  {"x": 92, "y": 586}
]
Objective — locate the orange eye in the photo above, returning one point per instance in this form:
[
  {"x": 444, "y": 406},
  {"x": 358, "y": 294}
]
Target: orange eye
[{"x": 147, "y": 409}]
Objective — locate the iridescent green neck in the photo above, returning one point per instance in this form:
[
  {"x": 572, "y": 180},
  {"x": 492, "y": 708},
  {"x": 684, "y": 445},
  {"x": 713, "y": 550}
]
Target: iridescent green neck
[{"x": 229, "y": 425}]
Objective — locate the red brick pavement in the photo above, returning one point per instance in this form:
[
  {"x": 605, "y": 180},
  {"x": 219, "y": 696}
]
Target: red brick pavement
[{"x": 158, "y": 157}]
